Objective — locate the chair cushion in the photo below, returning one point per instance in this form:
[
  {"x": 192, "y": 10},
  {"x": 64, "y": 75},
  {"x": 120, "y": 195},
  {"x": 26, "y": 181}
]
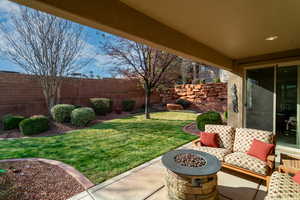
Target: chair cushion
[
  {"x": 245, "y": 161},
  {"x": 225, "y": 135},
  {"x": 220, "y": 153},
  {"x": 260, "y": 149},
  {"x": 282, "y": 186},
  {"x": 245, "y": 136},
  {"x": 209, "y": 139}
]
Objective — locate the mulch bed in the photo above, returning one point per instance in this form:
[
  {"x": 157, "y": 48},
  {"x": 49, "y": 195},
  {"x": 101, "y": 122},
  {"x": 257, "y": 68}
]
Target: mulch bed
[
  {"x": 35, "y": 180},
  {"x": 59, "y": 128}
]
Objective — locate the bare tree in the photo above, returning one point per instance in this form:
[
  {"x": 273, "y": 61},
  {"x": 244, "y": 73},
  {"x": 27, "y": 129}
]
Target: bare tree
[
  {"x": 135, "y": 60},
  {"x": 46, "y": 46}
]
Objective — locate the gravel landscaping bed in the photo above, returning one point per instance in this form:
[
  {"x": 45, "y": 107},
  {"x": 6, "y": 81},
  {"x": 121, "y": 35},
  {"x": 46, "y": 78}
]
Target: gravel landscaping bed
[{"x": 34, "y": 180}]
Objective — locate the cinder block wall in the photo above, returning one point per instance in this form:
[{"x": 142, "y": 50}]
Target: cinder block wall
[
  {"x": 22, "y": 94},
  {"x": 204, "y": 97}
]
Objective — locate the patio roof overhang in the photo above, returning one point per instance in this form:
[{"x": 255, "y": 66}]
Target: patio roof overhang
[{"x": 227, "y": 34}]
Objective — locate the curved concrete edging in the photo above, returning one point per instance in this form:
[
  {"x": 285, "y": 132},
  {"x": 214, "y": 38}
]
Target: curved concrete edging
[
  {"x": 185, "y": 129},
  {"x": 81, "y": 179}
]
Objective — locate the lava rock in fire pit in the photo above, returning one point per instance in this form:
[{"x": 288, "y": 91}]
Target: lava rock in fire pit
[
  {"x": 211, "y": 164},
  {"x": 190, "y": 160}
]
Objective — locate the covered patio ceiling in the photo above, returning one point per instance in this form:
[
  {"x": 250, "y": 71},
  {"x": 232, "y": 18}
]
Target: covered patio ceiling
[{"x": 222, "y": 33}]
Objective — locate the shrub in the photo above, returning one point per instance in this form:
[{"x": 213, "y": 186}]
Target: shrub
[
  {"x": 82, "y": 116},
  {"x": 62, "y": 112},
  {"x": 183, "y": 102},
  {"x": 11, "y": 121},
  {"x": 34, "y": 125},
  {"x": 208, "y": 118},
  {"x": 217, "y": 80},
  {"x": 128, "y": 105},
  {"x": 78, "y": 106},
  {"x": 102, "y": 106}
]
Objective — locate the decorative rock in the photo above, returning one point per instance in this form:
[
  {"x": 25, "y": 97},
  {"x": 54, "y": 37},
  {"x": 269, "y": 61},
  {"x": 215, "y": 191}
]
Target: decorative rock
[
  {"x": 204, "y": 97},
  {"x": 171, "y": 106}
]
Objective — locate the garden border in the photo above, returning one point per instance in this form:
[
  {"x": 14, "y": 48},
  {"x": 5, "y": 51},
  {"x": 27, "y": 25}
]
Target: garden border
[
  {"x": 186, "y": 130},
  {"x": 80, "y": 178}
]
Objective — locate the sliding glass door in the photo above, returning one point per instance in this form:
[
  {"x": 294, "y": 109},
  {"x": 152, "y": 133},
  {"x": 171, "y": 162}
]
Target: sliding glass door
[
  {"x": 259, "y": 98},
  {"x": 273, "y": 102},
  {"x": 286, "y": 105}
]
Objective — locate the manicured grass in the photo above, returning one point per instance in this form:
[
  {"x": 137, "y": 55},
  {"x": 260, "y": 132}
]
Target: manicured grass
[{"x": 110, "y": 148}]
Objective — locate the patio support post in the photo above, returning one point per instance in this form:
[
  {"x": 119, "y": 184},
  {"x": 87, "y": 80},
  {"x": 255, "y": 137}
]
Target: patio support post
[{"x": 236, "y": 119}]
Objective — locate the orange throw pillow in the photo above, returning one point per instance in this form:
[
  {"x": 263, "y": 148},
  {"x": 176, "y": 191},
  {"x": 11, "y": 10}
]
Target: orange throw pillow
[
  {"x": 209, "y": 139},
  {"x": 260, "y": 149},
  {"x": 296, "y": 178}
]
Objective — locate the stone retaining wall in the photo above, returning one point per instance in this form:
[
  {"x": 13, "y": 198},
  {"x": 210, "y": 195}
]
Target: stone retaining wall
[{"x": 204, "y": 97}]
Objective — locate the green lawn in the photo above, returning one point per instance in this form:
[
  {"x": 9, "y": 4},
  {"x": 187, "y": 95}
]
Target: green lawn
[{"x": 110, "y": 148}]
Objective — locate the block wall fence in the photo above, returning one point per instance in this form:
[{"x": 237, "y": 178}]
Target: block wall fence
[{"x": 22, "y": 94}]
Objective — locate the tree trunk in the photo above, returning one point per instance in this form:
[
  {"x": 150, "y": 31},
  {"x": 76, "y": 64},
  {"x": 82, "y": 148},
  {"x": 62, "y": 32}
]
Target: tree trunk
[
  {"x": 50, "y": 93},
  {"x": 183, "y": 72},
  {"x": 58, "y": 93},
  {"x": 194, "y": 73},
  {"x": 51, "y": 103},
  {"x": 147, "y": 102}
]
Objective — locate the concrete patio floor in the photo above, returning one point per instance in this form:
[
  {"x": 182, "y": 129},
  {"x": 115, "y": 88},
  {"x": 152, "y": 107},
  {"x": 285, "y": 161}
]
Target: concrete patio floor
[{"x": 146, "y": 182}]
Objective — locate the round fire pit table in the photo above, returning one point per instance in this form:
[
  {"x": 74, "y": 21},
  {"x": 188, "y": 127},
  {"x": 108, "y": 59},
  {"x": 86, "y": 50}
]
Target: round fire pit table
[{"x": 191, "y": 174}]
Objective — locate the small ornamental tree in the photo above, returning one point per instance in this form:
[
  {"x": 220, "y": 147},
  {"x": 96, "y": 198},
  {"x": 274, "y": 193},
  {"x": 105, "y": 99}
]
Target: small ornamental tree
[{"x": 138, "y": 61}]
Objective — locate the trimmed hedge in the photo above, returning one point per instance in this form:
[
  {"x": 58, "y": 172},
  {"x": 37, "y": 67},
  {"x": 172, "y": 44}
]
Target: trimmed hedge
[
  {"x": 82, "y": 116},
  {"x": 128, "y": 105},
  {"x": 102, "y": 106},
  {"x": 11, "y": 121},
  {"x": 210, "y": 117},
  {"x": 183, "y": 102},
  {"x": 34, "y": 125},
  {"x": 62, "y": 112}
]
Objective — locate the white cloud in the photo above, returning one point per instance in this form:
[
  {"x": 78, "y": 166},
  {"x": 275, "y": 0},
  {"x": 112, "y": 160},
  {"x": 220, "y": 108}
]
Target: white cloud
[
  {"x": 91, "y": 52},
  {"x": 8, "y": 7},
  {"x": 100, "y": 65}
]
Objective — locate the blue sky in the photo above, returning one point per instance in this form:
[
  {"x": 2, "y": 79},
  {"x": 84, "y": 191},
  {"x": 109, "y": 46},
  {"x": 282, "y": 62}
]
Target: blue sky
[{"x": 99, "y": 64}]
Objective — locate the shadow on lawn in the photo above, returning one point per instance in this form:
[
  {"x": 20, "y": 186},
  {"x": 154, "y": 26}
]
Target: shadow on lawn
[{"x": 149, "y": 127}]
